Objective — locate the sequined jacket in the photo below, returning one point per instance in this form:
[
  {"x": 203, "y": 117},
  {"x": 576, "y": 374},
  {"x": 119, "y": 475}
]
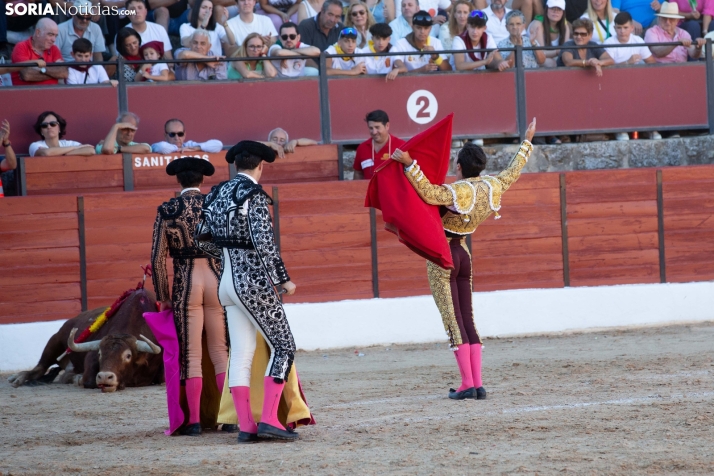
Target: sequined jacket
[
  {"x": 236, "y": 214},
  {"x": 175, "y": 224},
  {"x": 470, "y": 201}
]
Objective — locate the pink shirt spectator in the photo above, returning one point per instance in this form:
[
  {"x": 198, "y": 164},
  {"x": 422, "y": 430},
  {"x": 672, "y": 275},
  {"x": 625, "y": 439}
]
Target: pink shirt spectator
[
  {"x": 658, "y": 35},
  {"x": 705, "y": 7}
]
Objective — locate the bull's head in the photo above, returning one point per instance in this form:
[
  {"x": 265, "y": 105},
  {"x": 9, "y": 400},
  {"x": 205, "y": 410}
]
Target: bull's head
[{"x": 119, "y": 357}]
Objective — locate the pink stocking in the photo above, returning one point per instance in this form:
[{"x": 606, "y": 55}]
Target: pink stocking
[
  {"x": 193, "y": 396},
  {"x": 241, "y": 400},
  {"x": 271, "y": 400},
  {"x": 463, "y": 360},
  {"x": 220, "y": 380},
  {"x": 476, "y": 364}
]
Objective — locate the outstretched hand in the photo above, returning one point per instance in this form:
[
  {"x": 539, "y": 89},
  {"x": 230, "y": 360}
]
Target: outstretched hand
[
  {"x": 530, "y": 132},
  {"x": 402, "y": 157}
]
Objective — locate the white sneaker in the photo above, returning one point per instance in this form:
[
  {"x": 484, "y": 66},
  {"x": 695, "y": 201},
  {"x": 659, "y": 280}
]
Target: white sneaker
[
  {"x": 674, "y": 136},
  {"x": 622, "y": 136},
  {"x": 655, "y": 135},
  {"x": 478, "y": 142},
  {"x": 455, "y": 144}
]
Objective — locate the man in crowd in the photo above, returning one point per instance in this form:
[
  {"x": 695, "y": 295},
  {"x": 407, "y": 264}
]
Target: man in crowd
[
  {"x": 95, "y": 74},
  {"x": 248, "y": 22},
  {"x": 496, "y": 23},
  {"x": 80, "y": 26},
  {"x": 280, "y": 137},
  {"x": 290, "y": 45},
  {"x": 345, "y": 65},
  {"x": 419, "y": 44},
  {"x": 323, "y": 30},
  {"x": 41, "y": 50},
  {"x": 402, "y": 25},
  {"x": 170, "y": 14},
  {"x": 148, "y": 31},
  {"x": 391, "y": 66},
  {"x": 382, "y": 144},
  {"x": 666, "y": 31},
  {"x": 200, "y": 49},
  {"x": 120, "y": 138},
  {"x": 633, "y": 55},
  {"x": 175, "y": 141}
]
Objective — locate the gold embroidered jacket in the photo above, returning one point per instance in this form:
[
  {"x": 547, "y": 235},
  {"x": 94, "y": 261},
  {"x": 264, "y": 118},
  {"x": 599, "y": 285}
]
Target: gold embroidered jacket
[{"x": 469, "y": 201}]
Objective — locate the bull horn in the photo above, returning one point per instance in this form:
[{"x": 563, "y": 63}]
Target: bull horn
[
  {"x": 81, "y": 347},
  {"x": 147, "y": 346}
]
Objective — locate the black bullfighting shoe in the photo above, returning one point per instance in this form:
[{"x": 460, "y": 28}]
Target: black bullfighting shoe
[
  {"x": 269, "y": 431},
  {"x": 194, "y": 429},
  {"x": 229, "y": 428},
  {"x": 480, "y": 393},
  {"x": 468, "y": 393},
  {"x": 245, "y": 437}
]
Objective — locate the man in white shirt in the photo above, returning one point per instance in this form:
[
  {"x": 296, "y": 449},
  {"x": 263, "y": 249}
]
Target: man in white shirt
[
  {"x": 80, "y": 26},
  {"x": 402, "y": 25},
  {"x": 147, "y": 30},
  {"x": 419, "y": 43},
  {"x": 380, "y": 43},
  {"x": 175, "y": 141},
  {"x": 496, "y": 24},
  {"x": 636, "y": 54},
  {"x": 345, "y": 65},
  {"x": 290, "y": 45},
  {"x": 247, "y": 22}
]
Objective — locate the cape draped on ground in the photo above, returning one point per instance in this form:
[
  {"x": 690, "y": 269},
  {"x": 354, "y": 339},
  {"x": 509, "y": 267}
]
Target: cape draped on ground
[{"x": 416, "y": 223}]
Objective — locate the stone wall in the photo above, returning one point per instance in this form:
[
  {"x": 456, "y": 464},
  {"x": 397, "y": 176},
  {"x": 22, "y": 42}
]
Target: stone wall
[{"x": 594, "y": 155}]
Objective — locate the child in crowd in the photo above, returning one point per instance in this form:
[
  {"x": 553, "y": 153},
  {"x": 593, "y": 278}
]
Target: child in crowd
[
  {"x": 345, "y": 65},
  {"x": 82, "y": 53},
  {"x": 152, "y": 51},
  {"x": 389, "y": 65}
]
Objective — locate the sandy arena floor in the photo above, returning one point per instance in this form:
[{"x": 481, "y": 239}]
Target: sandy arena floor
[{"x": 615, "y": 402}]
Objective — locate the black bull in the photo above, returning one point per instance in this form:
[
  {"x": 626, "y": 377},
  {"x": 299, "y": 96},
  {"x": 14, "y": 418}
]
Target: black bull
[{"x": 118, "y": 360}]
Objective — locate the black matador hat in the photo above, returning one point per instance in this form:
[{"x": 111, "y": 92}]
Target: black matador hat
[
  {"x": 250, "y": 147},
  {"x": 184, "y": 164}
]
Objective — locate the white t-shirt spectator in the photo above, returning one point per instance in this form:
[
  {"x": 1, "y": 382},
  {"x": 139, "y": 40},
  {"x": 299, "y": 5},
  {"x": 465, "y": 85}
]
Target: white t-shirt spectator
[
  {"x": 496, "y": 28},
  {"x": 94, "y": 75},
  {"x": 620, "y": 55},
  {"x": 260, "y": 24},
  {"x": 293, "y": 67},
  {"x": 155, "y": 32},
  {"x": 40, "y": 144},
  {"x": 377, "y": 64},
  {"x": 211, "y": 146},
  {"x": 339, "y": 63},
  {"x": 458, "y": 44},
  {"x": 157, "y": 68},
  {"x": 216, "y": 36},
  {"x": 419, "y": 59}
]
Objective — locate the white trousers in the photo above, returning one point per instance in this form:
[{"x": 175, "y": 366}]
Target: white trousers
[{"x": 241, "y": 329}]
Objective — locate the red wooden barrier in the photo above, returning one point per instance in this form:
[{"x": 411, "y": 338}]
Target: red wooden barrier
[
  {"x": 689, "y": 223},
  {"x": 636, "y": 97},
  {"x": 40, "y": 257},
  {"x": 483, "y": 104},
  {"x": 73, "y": 174},
  {"x": 228, "y": 111}
]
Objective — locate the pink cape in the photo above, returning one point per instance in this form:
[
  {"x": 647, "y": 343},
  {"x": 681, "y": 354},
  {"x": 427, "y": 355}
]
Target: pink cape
[
  {"x": 416, "y": 223},
  {"x": 164, "y": 329}
]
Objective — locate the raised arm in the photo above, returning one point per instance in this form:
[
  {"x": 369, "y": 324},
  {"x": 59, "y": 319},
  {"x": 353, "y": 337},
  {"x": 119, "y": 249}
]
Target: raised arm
[{"x": 513, "y": 171}]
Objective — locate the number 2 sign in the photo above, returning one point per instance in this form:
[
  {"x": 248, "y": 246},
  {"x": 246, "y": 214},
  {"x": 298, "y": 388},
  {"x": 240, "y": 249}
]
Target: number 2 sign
[{"x": 422, "y": 106}]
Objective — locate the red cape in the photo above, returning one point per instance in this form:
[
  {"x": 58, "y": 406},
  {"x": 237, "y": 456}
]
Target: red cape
[{"x": 416, "y": 223}]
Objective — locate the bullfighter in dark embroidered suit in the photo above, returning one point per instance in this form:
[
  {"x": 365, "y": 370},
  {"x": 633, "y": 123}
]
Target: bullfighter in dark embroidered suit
[
  {"x": 195, "y": 285},
  {"x": 237, "y": 219}
]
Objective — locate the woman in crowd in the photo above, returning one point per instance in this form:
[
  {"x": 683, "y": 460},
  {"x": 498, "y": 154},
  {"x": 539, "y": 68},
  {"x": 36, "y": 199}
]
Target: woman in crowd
[
  {"x": 279, "y": 11},
  {"x": 456, "y": 24},
  {"x": 202, "y": 17},
  {"x": 602, "y": 16},
  {"x": 359, "y": 17},
  {"x": 52, "y": 128},
  {"x": 475, "y": 37},
  {"x": 253, "y": 47},
  {"x": 595, "y": 58},
  {"x": 383, "y": 11},
  {"x": 516, "y": 24},
  {"x": 308, "y": 9},
  {"x": 557, "y": 28},
  {"x": 128, "y": 44}
]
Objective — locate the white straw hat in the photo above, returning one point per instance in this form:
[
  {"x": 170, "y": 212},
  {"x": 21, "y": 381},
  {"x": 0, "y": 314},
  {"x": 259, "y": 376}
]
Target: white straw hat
[{"x": 669, "y": 10}]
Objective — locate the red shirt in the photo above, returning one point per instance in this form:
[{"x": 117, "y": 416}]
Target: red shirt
[
  {"x": 364, "y": 161},
  {"x": 23, "y": 51}
]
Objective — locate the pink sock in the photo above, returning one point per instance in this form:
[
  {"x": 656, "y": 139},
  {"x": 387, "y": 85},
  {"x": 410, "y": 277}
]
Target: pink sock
[
  {"x": 241, "y": 400},
  {"x": 463, "y": 360},
  {"x": 193, "y": 396},
  {"x": 476, "y": 364},
  {"x": 220, "y": 380},
  {"x": 271, "y": 400}
]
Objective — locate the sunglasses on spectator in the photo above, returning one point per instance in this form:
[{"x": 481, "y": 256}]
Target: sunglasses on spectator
[
  {"x": 174, "y": 134},
  {"x": 84, "y": 17},
  {"x": 45, "y": 125},
  {"x": 349, "y": 32},
  {"x": 288, "y": 37},
  {"x": 580, "y": 33},
  {"x": 255, "y": 47},
  {"x": 479, "y": 14},
  {"x": 358, "y": 13}
]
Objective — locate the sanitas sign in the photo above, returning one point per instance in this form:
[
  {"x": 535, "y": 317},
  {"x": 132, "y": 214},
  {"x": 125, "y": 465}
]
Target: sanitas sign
[
  {"x": 161, "y": 160},
  {"x": 19, "y": 9}
]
